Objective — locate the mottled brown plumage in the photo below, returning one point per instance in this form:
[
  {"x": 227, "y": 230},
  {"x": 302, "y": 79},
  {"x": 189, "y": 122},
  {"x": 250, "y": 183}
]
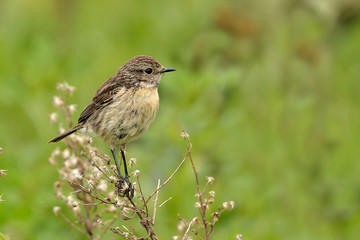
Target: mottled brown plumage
[{"x": 124, "y": 106}]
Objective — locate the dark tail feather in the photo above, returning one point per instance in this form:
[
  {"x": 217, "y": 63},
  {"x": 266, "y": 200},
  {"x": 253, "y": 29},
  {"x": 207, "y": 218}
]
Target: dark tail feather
[{"x": 66, "y": 133}]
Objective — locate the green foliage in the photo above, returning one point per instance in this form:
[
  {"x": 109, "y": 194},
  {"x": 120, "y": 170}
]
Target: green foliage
[{"x": 268, "y": 90}]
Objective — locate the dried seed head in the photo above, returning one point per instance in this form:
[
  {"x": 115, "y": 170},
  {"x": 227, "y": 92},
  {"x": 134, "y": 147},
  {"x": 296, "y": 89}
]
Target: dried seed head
[
  {"x": 59, "y": 86},
  {"x": 132, "y": 162},
  {"x": 181, "y": 226},
  {"x": 58, "y": 102},
  {"x": 56, "y": 210},
  {"x": 239, "y": 237},
  {"x": 231, "y": 205},
  {"x": 3, "y": 173},
  {"x": 212, "y": 194},
  {"x": 66, "y": 153},
  {"x": 136, "y": 173},
  {"x": 69, "y": 89},
  {"x": 175, "y": 238},
  {"x": 197, "y": 205},
  {"x": 184, "y": 134},
  {"x": 1, "y": 150},
  {"x": 225, "y": 205},
  {"x": 112, "y": 179},
  {"x": 53, "y": 118},
  {"x": 72, "y": 108},
  {"x": 57, "y": 185},
  {"x": 210, "y": 179},
  {"x": 77, "y": 210},
  {"x": 102, "y": 186},
  {"x": 75, "y": 204}
]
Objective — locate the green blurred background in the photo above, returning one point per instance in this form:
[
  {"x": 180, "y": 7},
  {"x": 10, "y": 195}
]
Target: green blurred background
[{"x": 269, "y": 92}]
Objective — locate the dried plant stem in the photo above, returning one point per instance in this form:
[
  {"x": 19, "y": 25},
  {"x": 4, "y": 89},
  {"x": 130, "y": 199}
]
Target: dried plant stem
[
  {"x": 200, "y": 193},
  {"x": 145, "y": 222},
  {"x": 155, "y": 203}
]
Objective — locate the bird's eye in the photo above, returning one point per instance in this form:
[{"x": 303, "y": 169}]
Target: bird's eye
[{"x": 148, "y": 70}]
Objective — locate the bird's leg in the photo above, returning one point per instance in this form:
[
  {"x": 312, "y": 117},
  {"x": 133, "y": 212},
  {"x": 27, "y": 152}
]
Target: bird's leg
[
  {"x": 123, "y": 185},
  {"x": 130, "y": 191},
  {"x": 112, "y": 148},
  {"x": 124, "y": 161}
]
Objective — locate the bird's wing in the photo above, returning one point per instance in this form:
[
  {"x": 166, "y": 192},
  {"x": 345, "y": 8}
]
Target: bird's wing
[{"x": 103, "y": 96}]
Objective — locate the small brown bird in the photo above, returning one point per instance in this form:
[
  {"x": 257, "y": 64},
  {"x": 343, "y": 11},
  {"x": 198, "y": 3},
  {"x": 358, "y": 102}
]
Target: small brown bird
[{"x": 123, "y": 108}]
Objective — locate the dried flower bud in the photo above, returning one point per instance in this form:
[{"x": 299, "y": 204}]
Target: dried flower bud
[
  {"x": 59, "y": 86},
  {"x": 195, "y": 221},
  {"x": 56, "y": 210},
  {"x": 184, "y": 134},
  {"x": 75, "y": 204},
  {"x": 77, "y": 210},
  {"x": 72, "y": 108},
  {"x": 53, "y": 117},
  {"x": 66, "y": 153},
  {"x": 69, "y": 89},
  {"x": 102, "y": 186},
  {"x": 175, "y": 238},
  {"x": 3, "y": 173},
  {"x": 1, "y": 200},
  {"x": 132, "y": 162},
  {"x": 239, "y": 237},
  {"x": 197, "y": 205},
  {"x": 210, "y": 179},
  {"x": 136, "y": 173},
  {"x": 231, "y": 205},
  {"x": 58, "y": 102},
  {"x": 212, "y": 193},
  {"x": 57, "y": 185},
  {"x": 1, "y": 150},
  {"x": 181, "y": 226},
  {"x": 112, "y": 179}
]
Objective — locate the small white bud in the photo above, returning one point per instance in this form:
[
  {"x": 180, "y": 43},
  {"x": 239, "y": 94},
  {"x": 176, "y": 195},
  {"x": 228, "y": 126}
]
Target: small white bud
[
  {"x": 210, "y": 179},
  {"x": 239, "y": 237},
  {"x": 132, "y": 162},
  {"x": 197, "y": 205},
  {"x": 66, "y": 154},
  {"x": 53, "y": 118},
  {"x": 72, "y": 108},
  {"x": 56, "y": 210},
  {"x": 136, "y": 173},
  {"x": 75, "y": 204},
  {"x": 59, "y": 86},
  {"x": 231, "y": 205},
  {"x": 2, "y": 172},
  {"x": 57, "y": 101},
  {"x": 212, "y": 193}
]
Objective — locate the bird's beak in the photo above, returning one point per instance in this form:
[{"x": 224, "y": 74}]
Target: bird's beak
[{"x": 165, "y": 69}]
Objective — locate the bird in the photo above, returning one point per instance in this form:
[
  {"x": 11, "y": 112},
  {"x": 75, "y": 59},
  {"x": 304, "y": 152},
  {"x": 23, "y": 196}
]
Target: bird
[{"x": 122, "y": 109}]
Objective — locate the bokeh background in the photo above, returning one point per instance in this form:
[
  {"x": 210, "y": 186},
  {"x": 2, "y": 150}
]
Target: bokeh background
[{"x": 269, "y": 92}]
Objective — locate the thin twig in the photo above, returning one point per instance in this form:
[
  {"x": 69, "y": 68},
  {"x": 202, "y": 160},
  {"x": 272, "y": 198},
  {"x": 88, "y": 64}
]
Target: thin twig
[
  {"x": 156, "y": 199},
  {"x": 165, "y": 202},
  {"x": 203, "y": 206}
]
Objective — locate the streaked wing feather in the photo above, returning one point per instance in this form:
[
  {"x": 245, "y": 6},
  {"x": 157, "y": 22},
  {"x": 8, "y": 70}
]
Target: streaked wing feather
[{"x": 103, "y": 96}]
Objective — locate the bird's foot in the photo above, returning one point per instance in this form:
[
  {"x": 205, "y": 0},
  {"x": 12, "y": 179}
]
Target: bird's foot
[{"x": 124, "y": 188}]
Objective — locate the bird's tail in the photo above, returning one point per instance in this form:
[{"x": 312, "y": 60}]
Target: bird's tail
[{"x": 66, "y": 133}]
